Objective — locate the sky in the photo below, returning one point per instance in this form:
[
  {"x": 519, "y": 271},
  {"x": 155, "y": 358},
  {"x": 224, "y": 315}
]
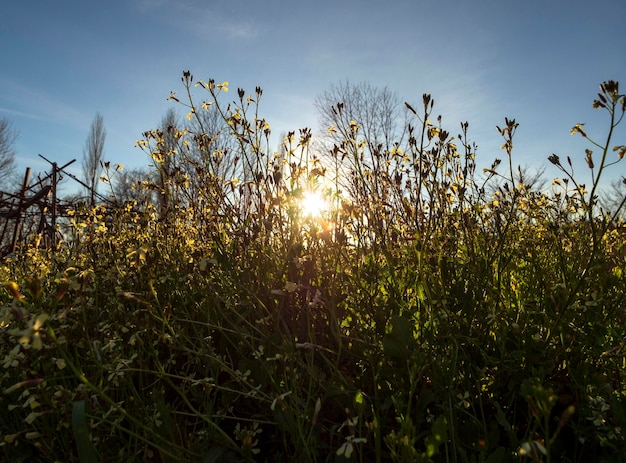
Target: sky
[{"x": 537, "y": 61}]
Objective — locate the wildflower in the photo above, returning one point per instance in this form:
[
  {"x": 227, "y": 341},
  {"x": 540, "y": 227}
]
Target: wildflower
[
  {"x": 257, "y": 354},
  {"x": 31, "y": 335},
  {"x": 622, "y": 151},
  {"x": 33, "y": 416},
  {"x": 280, "y": 401},
  {"x": 347, "y": 448},
  {"x": 290, "y": 286},
  {"x": 12, "y": 288},
  {"x": 247, "y": 437},
  {"x": 234, "y": 119},
  {"x": 463, "y": 399},
  {"x": 60, "y": 363},
  {"x": 432, "y": 132},
  {"x": 396, "y": 151},
  {"x": 532, "y": 450},
  {"x": 578, "y": 128}
]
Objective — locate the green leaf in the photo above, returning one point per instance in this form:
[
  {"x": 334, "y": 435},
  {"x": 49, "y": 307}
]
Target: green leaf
[
  {"x": 214, "y": 455},
  {"x": 86, "y": 451},
  {"x": 438, "y": 436},
  {"x": 502, "y": 421},
  {"x": 497, "y": 456},
  {"x": 168, "y": 428},
  {"x": 396, "y": 343}
]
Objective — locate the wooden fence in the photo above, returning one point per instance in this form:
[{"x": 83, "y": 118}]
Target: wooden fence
[{"x": 29, "y": 216}]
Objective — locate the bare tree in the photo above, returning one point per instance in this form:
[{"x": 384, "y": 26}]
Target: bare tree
[
  {"x": 8, "y": 137},
  {"x": 168, "y": 168},
  {"x": 214, "y": 148},
  {"x": 365, "y": 123},
  {"x": 614, "y": 200},
  {"x": 365, "y": 126},
  {"x": 93, "y": 154},
  {"x": 377, "y": 111},
  {"x": 135, "y": 185}
]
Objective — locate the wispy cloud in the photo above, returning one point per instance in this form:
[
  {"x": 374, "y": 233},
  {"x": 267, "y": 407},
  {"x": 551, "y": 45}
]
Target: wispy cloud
[
  {"x": 27, "y": 115},
  {"x": 234, "y": 30},
  {"x": 24, "y": 101},
  {"x": 192, "y": 16}
]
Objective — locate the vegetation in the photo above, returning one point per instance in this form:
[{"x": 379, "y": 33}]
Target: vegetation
[
  {"x": 431, "y": 313},
  {"x": 93, "y": 155},
  {"x": 8, "y": 137}
]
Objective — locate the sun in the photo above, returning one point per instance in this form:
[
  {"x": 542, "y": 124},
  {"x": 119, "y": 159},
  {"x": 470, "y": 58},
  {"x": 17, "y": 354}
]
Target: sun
[{"x": 313, "y": 204}]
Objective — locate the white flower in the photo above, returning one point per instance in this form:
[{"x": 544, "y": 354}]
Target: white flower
[{"x": 347, "y": 447}]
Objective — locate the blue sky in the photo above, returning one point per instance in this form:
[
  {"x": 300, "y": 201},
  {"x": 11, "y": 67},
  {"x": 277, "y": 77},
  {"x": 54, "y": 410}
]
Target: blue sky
[{"x": 538, "y": 61}]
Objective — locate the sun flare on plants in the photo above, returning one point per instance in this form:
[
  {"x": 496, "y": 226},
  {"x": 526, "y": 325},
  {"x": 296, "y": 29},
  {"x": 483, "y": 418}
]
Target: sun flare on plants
[{"x": 313, "y": 204}]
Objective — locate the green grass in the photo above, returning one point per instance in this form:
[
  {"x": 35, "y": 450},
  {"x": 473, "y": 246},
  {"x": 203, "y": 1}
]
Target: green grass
[{"x": 433, "y": 313}]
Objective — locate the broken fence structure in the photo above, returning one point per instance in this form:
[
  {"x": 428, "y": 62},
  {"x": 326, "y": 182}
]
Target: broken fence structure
[{"x": 30, "y": 216}]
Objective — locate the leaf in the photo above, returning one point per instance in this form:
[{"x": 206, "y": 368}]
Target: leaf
[
  {"x": 214, "y": 455},
  {"x": 86, "y": 451},
  {"x": 502, "y": 421},
  {"x": 396, "y": 343},
  {"x": 438, "y": 436},
  {"x": 497, "y": 456},
  {"x": 168, "y": 427}
]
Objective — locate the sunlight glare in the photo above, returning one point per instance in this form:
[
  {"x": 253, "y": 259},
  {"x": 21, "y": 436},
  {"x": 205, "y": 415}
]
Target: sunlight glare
[{"x": 312, "y": 204}]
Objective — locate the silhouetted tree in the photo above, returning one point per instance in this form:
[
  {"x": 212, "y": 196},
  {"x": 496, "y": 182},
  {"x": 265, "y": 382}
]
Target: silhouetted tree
[
  {"x": 136, "y": 185},
  {"x": 614, "y": 199},
  {"x": 214, "y": 150},
  {"x": 364, "y": 128},
  {"x": 378, "y": 112},
  {"x": 8, "y": 136},
  {"x": 168, "y": 168},
  {"x": 93, "y": 154}
]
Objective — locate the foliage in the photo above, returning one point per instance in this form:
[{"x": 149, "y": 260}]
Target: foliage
[
  {"x": 8, "y": 137},
  {"x": 93, "y": 155},
  {"x": 431, "y": 314}
]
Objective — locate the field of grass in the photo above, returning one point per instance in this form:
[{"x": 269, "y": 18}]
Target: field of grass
[{"x": 430, "y": 313}]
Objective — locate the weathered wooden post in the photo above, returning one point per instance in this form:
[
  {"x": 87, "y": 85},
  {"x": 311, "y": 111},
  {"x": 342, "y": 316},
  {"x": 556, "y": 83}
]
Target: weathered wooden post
[{"x": 53, "y": 238}]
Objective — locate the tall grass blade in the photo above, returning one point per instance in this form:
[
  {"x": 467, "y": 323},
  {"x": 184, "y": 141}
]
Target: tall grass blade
[{"x": 86, "y": 451}]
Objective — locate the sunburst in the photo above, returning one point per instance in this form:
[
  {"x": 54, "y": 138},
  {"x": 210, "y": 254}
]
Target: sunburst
[{"x": 313, "y": 204}]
